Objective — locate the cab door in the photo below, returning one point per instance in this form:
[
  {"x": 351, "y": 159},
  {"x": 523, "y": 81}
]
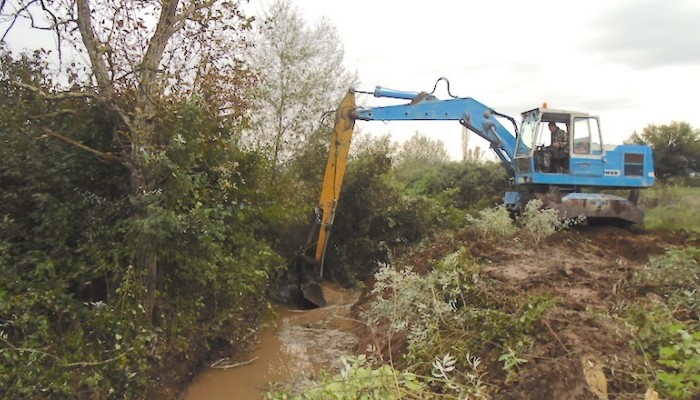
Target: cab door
[{"x": 586, "y": 147}]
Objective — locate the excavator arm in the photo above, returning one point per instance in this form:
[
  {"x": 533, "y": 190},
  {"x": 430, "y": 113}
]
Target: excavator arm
[
  {"x": 470, "y": 113},
  {"x": 422, "y": 106},
  {"x": 330, "y": 193},
  {"x": 335, "y": 171}
]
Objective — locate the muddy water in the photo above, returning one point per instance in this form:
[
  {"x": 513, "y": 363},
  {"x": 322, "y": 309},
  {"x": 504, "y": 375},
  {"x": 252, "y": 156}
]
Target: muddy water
[{"x": 291, "y": 350}]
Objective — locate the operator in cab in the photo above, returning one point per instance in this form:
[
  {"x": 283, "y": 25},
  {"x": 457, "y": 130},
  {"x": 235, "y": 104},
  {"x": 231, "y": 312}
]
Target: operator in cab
[{"x": 559, "y": 149}]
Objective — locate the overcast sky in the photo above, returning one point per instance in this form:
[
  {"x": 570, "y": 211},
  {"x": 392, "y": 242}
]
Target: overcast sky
[{"x": 632, "y": 62}]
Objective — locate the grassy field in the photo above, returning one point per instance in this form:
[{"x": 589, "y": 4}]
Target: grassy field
[{"x": 672, "y": 208}]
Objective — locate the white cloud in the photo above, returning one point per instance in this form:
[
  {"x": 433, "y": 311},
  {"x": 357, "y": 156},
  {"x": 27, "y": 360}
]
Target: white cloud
[{"x": 633, "y": 62}]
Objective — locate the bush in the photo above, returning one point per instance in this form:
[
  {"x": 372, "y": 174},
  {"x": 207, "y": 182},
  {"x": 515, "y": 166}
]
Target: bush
[
  {"x": 359, "y": 380},
  {"x": 540, "y": 222},
  {"x": 669, "y": 332},
  {"x": 453, "y": 309},
  {"x": 73, "y": 317},
  {"x": 674, "y": 276},
  {"x": 494, "y": 223}
]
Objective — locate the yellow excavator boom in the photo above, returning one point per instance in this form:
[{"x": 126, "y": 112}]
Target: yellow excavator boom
[
  {"x": 330, "y": 192},
  {"x": 335, "y": 170}
]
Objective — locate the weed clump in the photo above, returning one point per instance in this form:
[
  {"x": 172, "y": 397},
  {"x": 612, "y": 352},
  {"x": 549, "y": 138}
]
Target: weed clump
[
  {"x": 536, "y": 223},
  {"x": 668, "y": 332},
  {"x": 494, "y": 224},
  {"x": 455, "y": 309}
]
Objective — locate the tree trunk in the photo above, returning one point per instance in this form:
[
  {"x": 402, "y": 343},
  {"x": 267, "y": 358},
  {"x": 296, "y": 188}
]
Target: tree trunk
[{"x": 137, "y": 124}]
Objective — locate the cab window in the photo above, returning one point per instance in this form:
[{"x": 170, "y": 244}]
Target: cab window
[{"x": 586, "y": 136}]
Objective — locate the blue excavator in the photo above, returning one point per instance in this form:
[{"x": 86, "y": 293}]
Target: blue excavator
[{"x": 570, "y": 174}]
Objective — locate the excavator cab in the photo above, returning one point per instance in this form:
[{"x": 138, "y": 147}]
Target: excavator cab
[
  {"x": 563, "y": 177},
  {"x": 583, "y": 141}
]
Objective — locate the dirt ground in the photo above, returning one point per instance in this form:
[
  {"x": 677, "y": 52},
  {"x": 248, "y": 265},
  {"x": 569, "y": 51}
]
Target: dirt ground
[{"x": 579, "y": 352}]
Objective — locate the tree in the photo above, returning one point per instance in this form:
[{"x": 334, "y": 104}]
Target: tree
[
  {"x": 676, "y": 148},
  {"x": 142, "y": 55},
  {"x": 72, "y": 306},
  {"x": 130, "y": 223},
  {"x": 421, "y": 150},
  {"x": 300, "y": 76}
]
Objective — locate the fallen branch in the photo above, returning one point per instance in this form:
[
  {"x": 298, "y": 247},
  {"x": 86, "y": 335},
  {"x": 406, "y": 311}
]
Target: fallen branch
[
  {"x": 220, "y": 364},
  {"x": 556, "y": 337}
]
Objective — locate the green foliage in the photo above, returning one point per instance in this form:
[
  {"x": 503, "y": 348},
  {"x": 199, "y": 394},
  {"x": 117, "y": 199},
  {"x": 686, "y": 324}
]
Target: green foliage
[
  {"x": 536, "y": 223},
  {"x": 671, "y": 207},
  {"x": 669, "y": 332},
  {"x": 676, "y": 148},
  {"x": 374, "y": 216},
  {"x": 465, "y": 185},
  {"x": 420, "y": 151},
  {"x": 453, "y": 308},
  {"x": 359, "y": 380},
  {"x": 540, "y": 222},
  {"x": 673, "y": 346},
  {"x": 682, "y": 356},
  {"x": 674, "y": 276},
  {"x": 494, "y": 224},
  {"x": 300, "y": 76},
  {"x": 73, "y": 316}
]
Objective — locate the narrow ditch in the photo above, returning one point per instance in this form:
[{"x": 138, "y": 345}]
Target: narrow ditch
[{"x": 289, "y": 351}]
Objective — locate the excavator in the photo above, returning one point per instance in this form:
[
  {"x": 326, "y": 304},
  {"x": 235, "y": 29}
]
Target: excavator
[{"x": 569, "y": 179}]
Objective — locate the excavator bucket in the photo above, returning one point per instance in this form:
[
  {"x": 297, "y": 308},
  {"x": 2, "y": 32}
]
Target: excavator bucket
[
  {"x": 330, "y": 193},
  {"x": 313, "y": 293}
]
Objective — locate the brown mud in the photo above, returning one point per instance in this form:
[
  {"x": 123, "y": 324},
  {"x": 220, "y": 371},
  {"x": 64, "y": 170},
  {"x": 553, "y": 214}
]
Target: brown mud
[
  {"x": 579, "y": 352},
  {"x": 578, "y": 349}
]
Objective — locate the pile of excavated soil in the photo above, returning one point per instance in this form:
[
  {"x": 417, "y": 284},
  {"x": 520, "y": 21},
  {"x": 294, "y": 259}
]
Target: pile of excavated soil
[{"x": 579, "y": 351}]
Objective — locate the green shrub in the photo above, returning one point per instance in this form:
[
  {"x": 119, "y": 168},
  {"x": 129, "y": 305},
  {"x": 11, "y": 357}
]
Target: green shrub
[
  {"x": 674, "y": 276},
  {"x": 359, "y": 380},
  {"x": 494, "y": 224},
  {"x": 540, "y": 222},
  {"x": 673, "y": 346},
  {"x": 668, "y": 332},
  {"x": 453, "y": 309}
]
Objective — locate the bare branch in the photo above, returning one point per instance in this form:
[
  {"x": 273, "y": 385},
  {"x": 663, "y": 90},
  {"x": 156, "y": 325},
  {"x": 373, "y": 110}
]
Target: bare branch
[
  {"x": 103, "y": 156},
  {"x": 17, "y": 14},
  {"x": 60, "y": 96},
  {"x": 96, "y": 363},
  {"x": 188, "y": 12},
  {"x": 55, "y": 114},
  {"x": 56, "y": 29}
]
